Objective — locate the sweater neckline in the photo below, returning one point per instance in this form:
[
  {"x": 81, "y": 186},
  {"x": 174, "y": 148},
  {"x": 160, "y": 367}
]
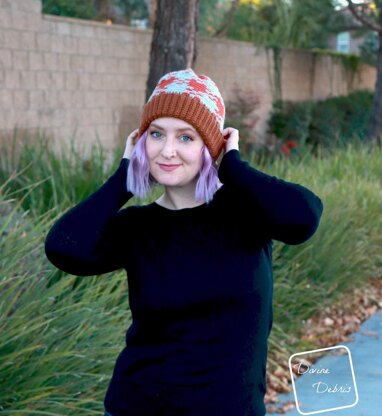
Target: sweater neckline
[{"x": 189, "y": 209}]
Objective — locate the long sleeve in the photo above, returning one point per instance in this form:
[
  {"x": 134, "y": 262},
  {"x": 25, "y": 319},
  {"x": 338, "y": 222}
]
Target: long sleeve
[
  {"x": 86, "y": 240},
  {"x": 289, "y": 212}
]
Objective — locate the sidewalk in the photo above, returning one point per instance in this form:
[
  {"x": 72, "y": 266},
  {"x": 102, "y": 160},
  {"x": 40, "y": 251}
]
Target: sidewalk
[{"x": 366, "y": 354}]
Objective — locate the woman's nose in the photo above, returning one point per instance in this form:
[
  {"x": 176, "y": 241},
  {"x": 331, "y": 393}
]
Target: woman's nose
[{"x": 168, "y": 148}]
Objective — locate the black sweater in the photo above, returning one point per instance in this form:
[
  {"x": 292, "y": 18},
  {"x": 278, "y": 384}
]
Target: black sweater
[{"x": 200, "y": 287}]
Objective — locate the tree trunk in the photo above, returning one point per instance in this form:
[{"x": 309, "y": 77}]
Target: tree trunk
[
  {"x": 374, "y": 130},
  {"x": 173, "y": 45}
]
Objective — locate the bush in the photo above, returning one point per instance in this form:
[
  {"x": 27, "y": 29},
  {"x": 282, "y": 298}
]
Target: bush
[
  {"x": 317, "y": 123},
  {"x": 293, "y": 121}
]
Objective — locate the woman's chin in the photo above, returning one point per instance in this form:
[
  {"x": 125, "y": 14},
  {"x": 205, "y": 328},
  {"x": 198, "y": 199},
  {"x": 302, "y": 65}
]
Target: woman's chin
[
  {"x": 170, "y": 183},
  {"x": 174, "y": 180}
]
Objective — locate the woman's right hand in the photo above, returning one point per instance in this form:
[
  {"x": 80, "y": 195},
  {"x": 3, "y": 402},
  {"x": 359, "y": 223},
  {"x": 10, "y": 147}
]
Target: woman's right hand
[{"x": 130, "y": 144}]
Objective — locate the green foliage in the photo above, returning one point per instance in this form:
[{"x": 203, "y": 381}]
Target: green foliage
[
  {"x": 211, "y": 15},
  {"x": 247, "y": 24},
  {"x": 296, "y": 23},
  {"x": 291, "y": 121},
  {"x": 320, "y": 121},
  {"x": 70, "y": 8},
  {"x": 45, "y": 180},
  {"x": 350, "y": 61},
  {"x": 56, "y": 344},
  {"x": 261, "y": 23},
  {"x": 121, "y": 11}
]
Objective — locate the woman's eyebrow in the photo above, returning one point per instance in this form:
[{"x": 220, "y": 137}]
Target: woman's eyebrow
[{"x": 182, "y": 129}]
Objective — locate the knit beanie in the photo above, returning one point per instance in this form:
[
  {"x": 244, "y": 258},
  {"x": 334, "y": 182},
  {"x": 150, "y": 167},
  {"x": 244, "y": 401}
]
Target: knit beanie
[{"x": 192, "y": 98}]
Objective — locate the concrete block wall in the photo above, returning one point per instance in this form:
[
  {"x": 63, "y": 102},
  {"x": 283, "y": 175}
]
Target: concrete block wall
[{"x": 70, "y": 77}]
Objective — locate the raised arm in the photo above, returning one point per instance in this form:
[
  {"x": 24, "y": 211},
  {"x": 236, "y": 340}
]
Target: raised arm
[
  {"x": 87, "y": 239},
  {"x": 288, "y": 212}
]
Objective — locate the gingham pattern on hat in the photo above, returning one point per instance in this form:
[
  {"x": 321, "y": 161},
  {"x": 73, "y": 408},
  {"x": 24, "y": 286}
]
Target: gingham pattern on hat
[{"x": 193, "y": 98}]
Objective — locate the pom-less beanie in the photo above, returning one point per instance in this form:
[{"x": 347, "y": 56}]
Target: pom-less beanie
[{"x": 192, "y": 98}]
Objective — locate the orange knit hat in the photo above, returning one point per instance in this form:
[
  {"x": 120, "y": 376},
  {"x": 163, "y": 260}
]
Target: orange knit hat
[{"x": 192, "y": 98}]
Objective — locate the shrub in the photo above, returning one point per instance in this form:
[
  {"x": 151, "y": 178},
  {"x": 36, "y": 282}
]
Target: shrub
[
  {"x": 317, "y": 123},
  {"x": 292, "y": 120}
]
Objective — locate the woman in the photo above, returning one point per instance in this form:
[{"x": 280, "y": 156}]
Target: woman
[{"x": 198, "y": 259}]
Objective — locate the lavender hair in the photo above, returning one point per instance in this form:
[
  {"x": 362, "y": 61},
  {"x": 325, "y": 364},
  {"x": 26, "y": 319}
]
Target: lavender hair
[{"x": 140, "y": 181}]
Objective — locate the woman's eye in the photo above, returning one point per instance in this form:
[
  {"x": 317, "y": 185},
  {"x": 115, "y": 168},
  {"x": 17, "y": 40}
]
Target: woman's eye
[
  {"x": 155, "y": 132},
  {"x": 188, "y": 137},
  {"x": 184, "y": 139}
]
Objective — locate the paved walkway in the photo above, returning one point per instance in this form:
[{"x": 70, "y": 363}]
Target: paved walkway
[{"x": 366, "y": 354}]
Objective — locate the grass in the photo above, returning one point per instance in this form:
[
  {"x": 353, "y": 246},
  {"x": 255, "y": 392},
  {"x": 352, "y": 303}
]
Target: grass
[
  {"x": 344, "y": 252},
  {"x": 61, "y": 334},
  {"x": 56, "y": 340}
]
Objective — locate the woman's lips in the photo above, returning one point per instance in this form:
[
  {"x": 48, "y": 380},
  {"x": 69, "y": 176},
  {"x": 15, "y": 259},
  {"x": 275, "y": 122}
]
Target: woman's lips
[{"x": 168, "y": 168}]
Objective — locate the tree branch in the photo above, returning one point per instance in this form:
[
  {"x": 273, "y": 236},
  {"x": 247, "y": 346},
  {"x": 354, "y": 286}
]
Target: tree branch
[{"x": 363, "y": 19}]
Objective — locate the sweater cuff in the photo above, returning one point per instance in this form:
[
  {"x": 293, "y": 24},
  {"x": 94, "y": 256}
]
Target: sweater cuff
[
  {"x": 229, "y": 158},
  {"x": 120, "y": 177}
]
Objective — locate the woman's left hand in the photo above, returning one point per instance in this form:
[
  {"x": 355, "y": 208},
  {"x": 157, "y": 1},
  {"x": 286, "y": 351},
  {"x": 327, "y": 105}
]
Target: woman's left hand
[{"x": 231, "y": 137}]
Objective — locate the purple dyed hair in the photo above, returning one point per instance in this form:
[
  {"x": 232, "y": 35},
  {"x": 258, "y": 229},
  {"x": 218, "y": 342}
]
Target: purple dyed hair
[{"x": 140, "y": 181}]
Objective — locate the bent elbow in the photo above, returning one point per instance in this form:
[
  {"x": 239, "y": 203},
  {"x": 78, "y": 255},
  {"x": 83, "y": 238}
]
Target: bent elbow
[
  {"x": 66, "y": 263},
  {"x": 82, "y": 263},
  {"x": 300, "y": 234},
  {"x": 304, "y": 229}
]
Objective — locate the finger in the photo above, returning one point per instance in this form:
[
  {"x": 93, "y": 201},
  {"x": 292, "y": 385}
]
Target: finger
[
  {"x": 228, "y": 131},
  {"x": 133, "y": 135}
]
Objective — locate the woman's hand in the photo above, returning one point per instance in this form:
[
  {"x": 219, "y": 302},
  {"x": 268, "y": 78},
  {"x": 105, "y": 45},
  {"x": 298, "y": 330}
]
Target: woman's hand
[
  {"x": 130, "y": 143},
  {"x": 231, "y": 137}
]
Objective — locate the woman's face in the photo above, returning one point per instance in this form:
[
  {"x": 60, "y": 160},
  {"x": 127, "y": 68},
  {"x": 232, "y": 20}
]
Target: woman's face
[{"x": 174, "y": 151}]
